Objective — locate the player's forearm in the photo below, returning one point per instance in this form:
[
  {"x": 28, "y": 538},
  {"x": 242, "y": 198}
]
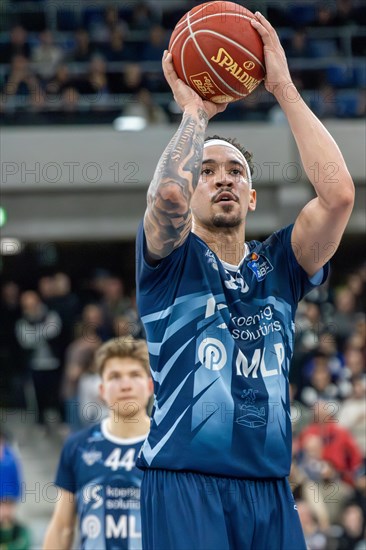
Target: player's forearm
[
  {"x": 58, "y": 538},
  {"x": 168, "y": 217},
  {"x": 322, "y": 160},
  {"x": 177, "y": 172}
]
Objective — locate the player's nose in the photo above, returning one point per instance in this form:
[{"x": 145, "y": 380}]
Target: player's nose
[
  {"x": 223, "y": 178},
  {"x": 125, "y": 383}
]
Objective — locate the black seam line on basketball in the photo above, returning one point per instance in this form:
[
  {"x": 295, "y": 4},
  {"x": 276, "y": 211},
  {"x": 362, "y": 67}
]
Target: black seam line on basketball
[
  {"x": 200, "y": 8},
  {"x": 209, "y": 64},
  {"x": 207, "y": 30}
]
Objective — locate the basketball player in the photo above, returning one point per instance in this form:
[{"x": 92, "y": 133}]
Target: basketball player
[
  {"x": 219, "y": 317},
  {"x": 97, "y": 477}
]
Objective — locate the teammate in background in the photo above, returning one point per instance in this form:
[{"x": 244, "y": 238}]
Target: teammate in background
[
  {"x": 219, "y": 317},
  {"x": 98, "y": 480}
]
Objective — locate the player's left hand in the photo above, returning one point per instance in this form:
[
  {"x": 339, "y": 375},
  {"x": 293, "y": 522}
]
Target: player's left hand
[{"x": 277, "y": 71}]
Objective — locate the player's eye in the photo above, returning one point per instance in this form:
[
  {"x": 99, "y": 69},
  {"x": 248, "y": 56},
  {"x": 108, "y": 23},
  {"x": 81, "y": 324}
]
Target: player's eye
[
  {"x": 236, "y": 172},
  {"x": 206, "y": 171}
]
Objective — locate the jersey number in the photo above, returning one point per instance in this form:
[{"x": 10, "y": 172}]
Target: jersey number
[{"x": 114, "y": 461}]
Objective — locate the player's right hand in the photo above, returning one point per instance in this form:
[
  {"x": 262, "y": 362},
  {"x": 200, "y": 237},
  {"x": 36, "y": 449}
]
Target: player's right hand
[{"x": 183, "y": 94}]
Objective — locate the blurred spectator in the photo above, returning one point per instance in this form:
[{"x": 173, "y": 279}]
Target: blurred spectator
[
  {"x": 59, "y": 82},
  {"x": 301, "y": 414},
  {"x": 314, "y": 537},
  {"x": 142, "y": 17},
  {"x": 83, "y": 50},
  {"x": 324, "y": 16},
  {"x": 320, "y": 378},
  {"x": 157, "y": 43},
  {"x": 300, "y": 45},
  {"x": 69, "y": 100},
  {"x": 17, "y": 45},
  {"x": 309, "y": 325},
  {"x": 343, "y": 316},
  {"x": 91, "y": 407},
  {"x": 357, "y": 286},
  {"x": 46, "y": 289},
  {"x": 352, "y": 413},
  {"x": 130, "y": 81},
  {"x": 13, "y": 535},
  {"x": 321, "y": 487},
  {"x": 352, "y": 523},
  {"x": 359, "y": 496},
  {"x": 114, "y": 301},
  {"x": 143, "y": 105},
  {"x": 67, "y": 305},
  {"x": 339, "y": 447},
  {"x": 37, "y": 333},
  {"x": 102, "y": 30},
  {"x": 21, "y": 81},
  {"x": 116, "y": 48},
  {"x": 328, "y": 346},
  {"x": 88, "y": 337},
  {"x": 96, "y": 79},
  {"x": 47, "y": 55},
  {"x": 345, "y": 13},
  {"x": 128, "y": 324}
]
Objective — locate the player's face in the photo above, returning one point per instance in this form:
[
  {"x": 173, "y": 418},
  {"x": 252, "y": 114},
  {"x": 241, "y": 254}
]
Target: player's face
[
  {"x": 222, "y": 197},
  {"x": 126, "y": 386}
]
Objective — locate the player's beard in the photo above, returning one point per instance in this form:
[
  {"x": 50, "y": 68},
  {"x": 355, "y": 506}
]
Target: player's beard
[{"x": 226, "y": 220}]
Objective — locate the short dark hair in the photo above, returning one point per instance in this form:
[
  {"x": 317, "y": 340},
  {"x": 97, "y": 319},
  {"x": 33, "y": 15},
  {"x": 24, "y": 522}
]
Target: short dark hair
[{"x": 233, "y": 141}]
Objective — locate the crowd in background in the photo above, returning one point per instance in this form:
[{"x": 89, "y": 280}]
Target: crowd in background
[
  {"x": 100, "y": 61},
  {"x": 49, "y": 334}
]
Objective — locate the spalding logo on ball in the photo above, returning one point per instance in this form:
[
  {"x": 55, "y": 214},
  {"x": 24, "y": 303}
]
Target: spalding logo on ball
[{"x": 217, "y": 52}]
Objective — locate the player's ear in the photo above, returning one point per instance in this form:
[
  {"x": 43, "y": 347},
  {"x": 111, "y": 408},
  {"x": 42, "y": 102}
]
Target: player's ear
[{"x": 252, "y": 200}]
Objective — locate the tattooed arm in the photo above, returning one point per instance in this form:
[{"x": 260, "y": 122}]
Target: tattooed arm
[{"x": 167, "y": 221}]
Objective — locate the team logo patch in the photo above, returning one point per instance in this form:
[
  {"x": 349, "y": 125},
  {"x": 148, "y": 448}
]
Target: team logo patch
[
  {"x": 91, "y": 457},
  {"x": 260, "y": 265},
  {"x": 253, "y": 416}
]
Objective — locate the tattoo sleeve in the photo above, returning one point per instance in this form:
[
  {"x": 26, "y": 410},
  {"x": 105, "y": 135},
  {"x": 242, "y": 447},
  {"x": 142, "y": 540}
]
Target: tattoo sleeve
[{"x": 167, "y": 220}]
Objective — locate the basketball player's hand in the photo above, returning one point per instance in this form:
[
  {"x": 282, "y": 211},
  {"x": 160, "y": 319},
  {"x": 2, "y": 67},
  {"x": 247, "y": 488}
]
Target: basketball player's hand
[
  {"x": 277, "y": 71},
  {"x": 183, "y": 94}
]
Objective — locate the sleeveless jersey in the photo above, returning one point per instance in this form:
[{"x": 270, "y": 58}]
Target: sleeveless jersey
[
  {"x": 100, "y": 470},
  {"x": 220, "y": 341}
]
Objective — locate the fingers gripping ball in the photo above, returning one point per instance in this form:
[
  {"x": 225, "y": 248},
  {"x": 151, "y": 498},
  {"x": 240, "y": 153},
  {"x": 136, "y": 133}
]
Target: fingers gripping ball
[{"x": 217, "y": 52}]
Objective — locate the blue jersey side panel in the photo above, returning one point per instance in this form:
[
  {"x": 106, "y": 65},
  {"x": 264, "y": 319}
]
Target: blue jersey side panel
[{"x": 220, "y": 344}]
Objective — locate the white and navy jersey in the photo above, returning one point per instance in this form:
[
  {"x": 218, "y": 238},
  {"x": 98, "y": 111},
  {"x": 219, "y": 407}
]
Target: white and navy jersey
[
  {"x": 220, "y": 341},
  {"x": 100, "y": 470}
]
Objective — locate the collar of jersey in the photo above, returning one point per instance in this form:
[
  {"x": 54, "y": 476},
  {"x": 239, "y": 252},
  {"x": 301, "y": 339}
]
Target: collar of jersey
[
  {"x": 232, "y": 267},
  {"x": 120, "y": 440}
]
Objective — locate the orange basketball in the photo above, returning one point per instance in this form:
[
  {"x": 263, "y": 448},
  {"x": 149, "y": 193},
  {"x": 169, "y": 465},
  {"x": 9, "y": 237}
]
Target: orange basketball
[{"x": 217, "y": 52}]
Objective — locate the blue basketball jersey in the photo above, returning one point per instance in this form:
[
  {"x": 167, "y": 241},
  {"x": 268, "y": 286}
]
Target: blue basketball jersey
[
  {"x": 100, "y": 470},
  {"x": 220, "y": 341}
]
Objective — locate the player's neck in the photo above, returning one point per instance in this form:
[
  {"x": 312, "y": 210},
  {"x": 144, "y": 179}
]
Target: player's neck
[
  {"x": 130, "y": 427},
  {"x": 227, "y": 243}
]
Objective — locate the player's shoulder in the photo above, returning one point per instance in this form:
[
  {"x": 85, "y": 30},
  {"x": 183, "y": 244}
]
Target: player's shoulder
[
  {"x": 281, "y": 237},
  {"x": 92, "y": 434}
]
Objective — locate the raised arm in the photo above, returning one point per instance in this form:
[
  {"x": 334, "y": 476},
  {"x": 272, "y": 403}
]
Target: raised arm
[
  {"x": 167, "y": 219},
  {"x": 320, "y": 225},
  {"x": 60, "y": 532}
]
